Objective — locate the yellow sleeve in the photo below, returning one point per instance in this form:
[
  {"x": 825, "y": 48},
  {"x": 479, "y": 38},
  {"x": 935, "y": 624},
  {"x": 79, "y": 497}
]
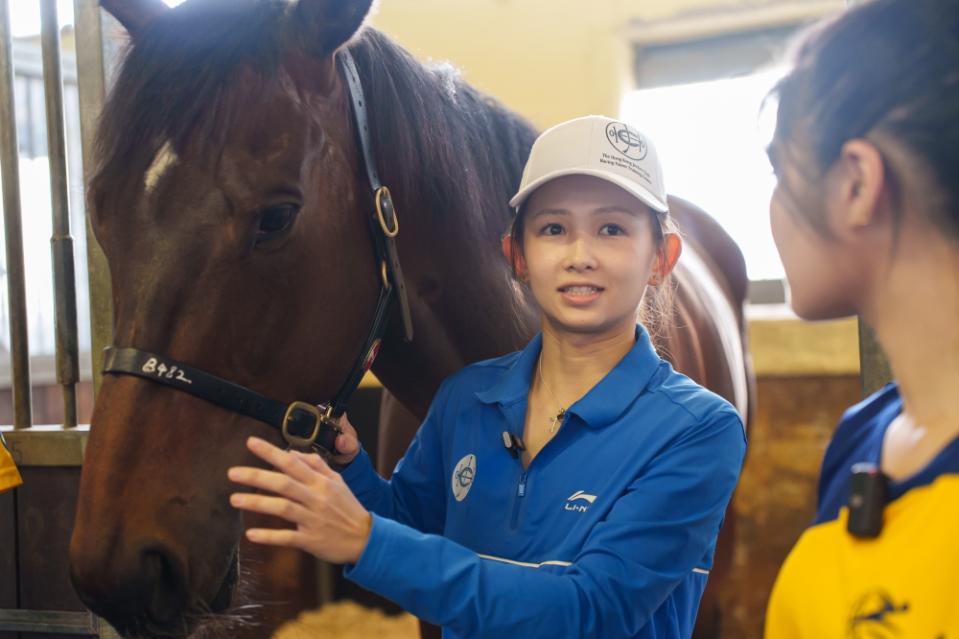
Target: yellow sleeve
[{"x": 9, "y": 475}]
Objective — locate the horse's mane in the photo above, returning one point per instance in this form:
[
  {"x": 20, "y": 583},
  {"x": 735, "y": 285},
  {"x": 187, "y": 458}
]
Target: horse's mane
[
  {"x": 441, "y": 145},
  {"x": 470, "y": 149}
]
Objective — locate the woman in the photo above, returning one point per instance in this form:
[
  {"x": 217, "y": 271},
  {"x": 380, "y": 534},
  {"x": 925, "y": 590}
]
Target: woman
[
  {"x": 866, "y": 218},
  {"x": 575, "y": 488}
]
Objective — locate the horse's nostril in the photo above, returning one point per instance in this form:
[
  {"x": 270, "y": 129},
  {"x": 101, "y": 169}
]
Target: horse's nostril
[{"x": 167, "y": 592}]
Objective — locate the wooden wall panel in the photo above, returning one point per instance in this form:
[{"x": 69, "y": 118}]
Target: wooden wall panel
[
  {"x": 8, "y": 561},
  {"x": 45, "y": 509}
]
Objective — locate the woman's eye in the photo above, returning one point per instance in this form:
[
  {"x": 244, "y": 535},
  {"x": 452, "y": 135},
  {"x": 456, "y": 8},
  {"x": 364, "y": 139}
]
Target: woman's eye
[
  {"x": 551, "y": 229},
  {"x": 612, "y": 229},
  {"x": 275, "y": 220}
]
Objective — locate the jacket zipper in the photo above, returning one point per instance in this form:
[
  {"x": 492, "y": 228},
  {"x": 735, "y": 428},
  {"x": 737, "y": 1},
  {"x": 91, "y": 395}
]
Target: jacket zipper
[
  {"x": 521, "y": 486},
  {"x": 520, "y": 494}
]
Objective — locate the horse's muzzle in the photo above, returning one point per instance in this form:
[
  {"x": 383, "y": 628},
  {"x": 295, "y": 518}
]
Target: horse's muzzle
[{"x": 149, "y": 599}]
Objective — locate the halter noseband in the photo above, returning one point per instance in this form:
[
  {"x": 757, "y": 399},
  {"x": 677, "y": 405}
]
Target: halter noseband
[{"x": 303, "y": 424}]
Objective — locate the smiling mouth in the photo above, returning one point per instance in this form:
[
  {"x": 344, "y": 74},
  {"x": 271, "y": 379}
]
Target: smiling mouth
[{"x": 584, "y": 290}]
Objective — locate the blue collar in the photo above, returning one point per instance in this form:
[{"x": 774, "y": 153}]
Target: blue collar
[{"x": 604, "y": 402}]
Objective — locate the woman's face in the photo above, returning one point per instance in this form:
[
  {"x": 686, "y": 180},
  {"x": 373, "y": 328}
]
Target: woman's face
[{"x": 589, "y": 250}]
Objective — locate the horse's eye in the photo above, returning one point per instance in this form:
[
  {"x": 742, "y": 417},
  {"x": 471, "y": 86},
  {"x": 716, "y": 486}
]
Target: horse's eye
[{"x": 275, "y": 220}]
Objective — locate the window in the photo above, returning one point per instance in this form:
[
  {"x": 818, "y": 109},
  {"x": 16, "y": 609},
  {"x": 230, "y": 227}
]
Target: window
[
  {"x": 711, "y": 141},
  {"x": 35, "y": 197},
  {"x": 700, "y": 97}
]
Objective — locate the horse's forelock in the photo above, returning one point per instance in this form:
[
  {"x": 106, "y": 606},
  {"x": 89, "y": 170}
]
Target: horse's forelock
[{"x": 176, "y": 83}]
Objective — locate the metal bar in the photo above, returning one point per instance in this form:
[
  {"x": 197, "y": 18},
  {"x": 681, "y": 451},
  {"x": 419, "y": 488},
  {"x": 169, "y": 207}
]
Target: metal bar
[
  {"x": 16, "y": 287},
  {"x": 54, "y": 621},
  {"x": 47, "y": 445},
  {"x": 61, "y": 244},
  {"x": 93, "y": 59},
  {"x": 875, "y": 370}
]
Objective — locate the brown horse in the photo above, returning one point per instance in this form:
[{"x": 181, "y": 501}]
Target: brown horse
[{"x": 231, "y": 201}]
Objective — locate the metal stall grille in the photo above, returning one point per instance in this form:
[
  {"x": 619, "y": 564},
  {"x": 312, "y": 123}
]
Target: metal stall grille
[{"x": 36, "y": 518}]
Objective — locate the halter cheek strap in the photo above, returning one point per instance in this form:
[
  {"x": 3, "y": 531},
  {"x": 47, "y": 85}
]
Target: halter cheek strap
[{"x": 303, "y": 424}]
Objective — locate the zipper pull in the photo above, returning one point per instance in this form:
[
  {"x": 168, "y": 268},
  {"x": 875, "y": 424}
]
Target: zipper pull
[{"x": 521, "y": 489}]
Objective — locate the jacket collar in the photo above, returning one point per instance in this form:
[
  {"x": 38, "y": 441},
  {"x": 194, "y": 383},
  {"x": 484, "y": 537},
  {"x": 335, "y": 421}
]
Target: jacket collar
[{"x": 604, "y": 403}]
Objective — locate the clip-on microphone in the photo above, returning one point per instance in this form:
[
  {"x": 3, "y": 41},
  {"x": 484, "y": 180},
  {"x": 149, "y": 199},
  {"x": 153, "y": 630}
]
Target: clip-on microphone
[
  {"x": 868, "y": 492},
  {"x": 513, "y": 444}
]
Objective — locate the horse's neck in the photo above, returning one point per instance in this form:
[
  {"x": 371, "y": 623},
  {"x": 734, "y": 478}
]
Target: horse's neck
[
  {"x": 463, "y": 303},
  {"x": 451, "y": 187},
  {"x": 462, "y": 313}
]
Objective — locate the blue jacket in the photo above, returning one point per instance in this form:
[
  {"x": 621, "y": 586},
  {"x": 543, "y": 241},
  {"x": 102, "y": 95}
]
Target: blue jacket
[{"x": 609, "y": 533}]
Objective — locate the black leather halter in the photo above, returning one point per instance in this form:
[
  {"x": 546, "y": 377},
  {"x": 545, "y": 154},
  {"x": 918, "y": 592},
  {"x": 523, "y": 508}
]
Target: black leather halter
[{"x": 303, "y": 424}]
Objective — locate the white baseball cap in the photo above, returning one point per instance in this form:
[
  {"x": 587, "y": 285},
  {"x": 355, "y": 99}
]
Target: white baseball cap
[{"x": 601, "y": 147}]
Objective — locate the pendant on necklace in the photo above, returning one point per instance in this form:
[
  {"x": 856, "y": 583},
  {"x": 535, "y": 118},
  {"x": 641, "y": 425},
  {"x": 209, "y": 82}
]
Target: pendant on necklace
[{"x": 555, "y": 421}]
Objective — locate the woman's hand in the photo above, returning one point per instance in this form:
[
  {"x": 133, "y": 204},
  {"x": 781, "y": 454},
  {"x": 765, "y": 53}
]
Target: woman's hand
[
  {"x": 347, "y": 443},
  {"x": 330, "y": 523}
]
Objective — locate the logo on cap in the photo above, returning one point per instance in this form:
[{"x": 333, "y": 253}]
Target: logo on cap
[{"x": 626, "y": 140}]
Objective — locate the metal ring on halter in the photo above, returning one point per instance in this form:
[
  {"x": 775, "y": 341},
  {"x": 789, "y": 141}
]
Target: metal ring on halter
[
  {"x": 393, "y": 230},
  {"x": 294, "y": 440}
]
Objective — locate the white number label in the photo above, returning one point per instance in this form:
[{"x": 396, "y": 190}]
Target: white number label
[{"x": 160, "y": 369}]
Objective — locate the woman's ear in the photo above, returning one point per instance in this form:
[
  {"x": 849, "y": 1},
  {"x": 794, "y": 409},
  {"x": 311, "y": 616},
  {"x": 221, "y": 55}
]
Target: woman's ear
[
  {"x": 859, "y": 178},
  {"x": 666, "y": 257},
  {"x": 514, "y": 256}
]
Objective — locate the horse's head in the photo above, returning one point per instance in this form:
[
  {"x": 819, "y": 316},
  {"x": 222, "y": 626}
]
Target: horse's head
[{"x": 226, "y": 198}]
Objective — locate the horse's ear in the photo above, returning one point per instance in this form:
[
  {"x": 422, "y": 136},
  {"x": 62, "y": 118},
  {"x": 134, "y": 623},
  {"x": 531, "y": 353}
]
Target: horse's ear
[
  {"x": 135, "y": 15},
  {"x": 323, "y": 26}
]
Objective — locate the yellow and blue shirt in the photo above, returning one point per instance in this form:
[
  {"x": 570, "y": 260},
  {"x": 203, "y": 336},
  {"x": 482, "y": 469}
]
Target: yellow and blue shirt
[
  {"x": 609, "y": 532},
  {"x": 9, "y": 475},
  {"x": 902, "y": 584}
]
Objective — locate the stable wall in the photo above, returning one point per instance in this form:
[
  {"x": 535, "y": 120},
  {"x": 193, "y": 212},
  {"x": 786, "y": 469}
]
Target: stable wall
[{"x": 553, "y": 60}]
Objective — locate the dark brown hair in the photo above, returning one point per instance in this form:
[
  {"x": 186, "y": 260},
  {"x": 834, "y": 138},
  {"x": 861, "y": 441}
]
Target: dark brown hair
[{"x": 888, "y": 67}]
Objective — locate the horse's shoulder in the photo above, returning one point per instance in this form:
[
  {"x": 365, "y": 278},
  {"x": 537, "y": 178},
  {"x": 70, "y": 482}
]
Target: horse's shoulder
[{"x": 716, "y": 247}]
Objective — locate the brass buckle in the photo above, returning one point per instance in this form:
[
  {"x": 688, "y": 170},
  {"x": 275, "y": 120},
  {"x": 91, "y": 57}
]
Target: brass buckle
[
  {"x": 383, "y": 197},
  {"x": 384, "y": 274},
  {"x": 318, "y": 417}
]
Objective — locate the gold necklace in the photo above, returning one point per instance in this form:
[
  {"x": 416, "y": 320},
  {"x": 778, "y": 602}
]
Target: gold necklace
[{"x": 557, "y": 419}]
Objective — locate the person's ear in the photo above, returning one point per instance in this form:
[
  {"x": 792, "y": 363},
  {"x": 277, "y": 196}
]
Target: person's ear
[
  {"x": 858, "y": 180},
  {"x": 514, "y": 256},
  {"x": 666, "y": 257}
]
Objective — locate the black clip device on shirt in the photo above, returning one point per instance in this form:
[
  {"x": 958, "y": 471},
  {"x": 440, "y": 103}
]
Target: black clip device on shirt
[
  {"x": 513, "y": 443},
  {"x": 868, "y": 492}
]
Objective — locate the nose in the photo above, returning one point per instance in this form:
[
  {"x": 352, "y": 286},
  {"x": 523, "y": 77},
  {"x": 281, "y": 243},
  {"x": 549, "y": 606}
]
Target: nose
[
  {"x": 142, "y": 588},
  {"x": 581, "y": 255}
]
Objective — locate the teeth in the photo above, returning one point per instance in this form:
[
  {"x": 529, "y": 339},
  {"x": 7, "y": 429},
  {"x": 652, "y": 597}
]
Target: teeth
[{"x": 581, "y": 290}]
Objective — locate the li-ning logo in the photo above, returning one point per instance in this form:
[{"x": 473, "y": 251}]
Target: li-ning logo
[
  {"x": 463, "y": 476},
  {"x": 579, "y": 496},
  {"x": 626, "y": 140},
  {"x": 875, "y": 616}
]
